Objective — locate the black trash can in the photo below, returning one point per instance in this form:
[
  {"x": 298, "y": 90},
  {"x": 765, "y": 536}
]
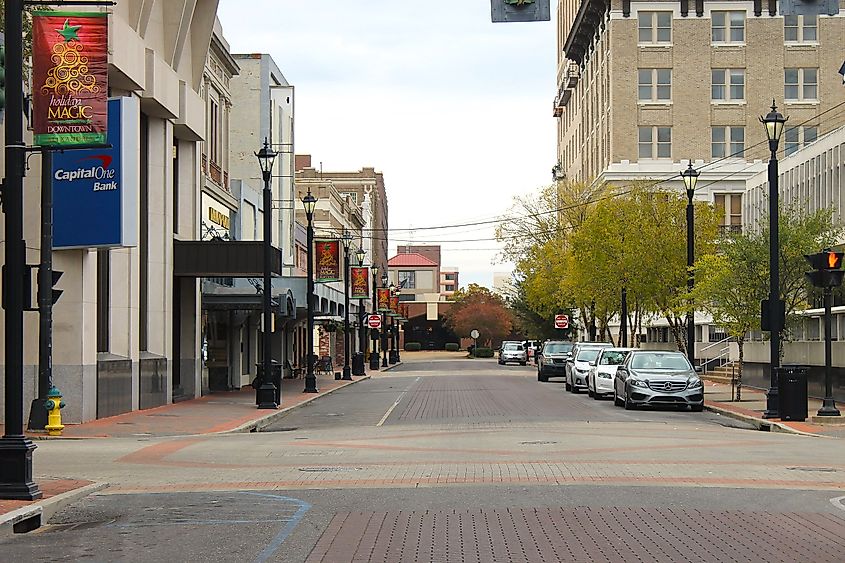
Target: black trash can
[
  {"x": 275, "y": 378},
  {"x": 358, "y": 364},
  {"x": 792, "y": 392}
]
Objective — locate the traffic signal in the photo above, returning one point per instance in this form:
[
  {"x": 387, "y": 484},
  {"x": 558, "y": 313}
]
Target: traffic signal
[
  {"x": 827, "y": 268},
  {"x": 2, "y": 77}
]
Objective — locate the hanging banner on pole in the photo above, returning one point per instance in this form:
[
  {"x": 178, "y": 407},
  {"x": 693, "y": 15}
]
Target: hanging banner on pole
[
  {"x": 327, "y": 253},
  {"x": 383, "y": 299},
  {"x": 394, "y": 305},
  {"x": 360, "y": 281},
  {"x": 70, "y": 78}
]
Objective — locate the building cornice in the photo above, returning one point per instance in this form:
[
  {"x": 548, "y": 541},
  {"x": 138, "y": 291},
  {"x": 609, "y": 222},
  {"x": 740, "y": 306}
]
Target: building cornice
[{"x": 588, "y": 20}]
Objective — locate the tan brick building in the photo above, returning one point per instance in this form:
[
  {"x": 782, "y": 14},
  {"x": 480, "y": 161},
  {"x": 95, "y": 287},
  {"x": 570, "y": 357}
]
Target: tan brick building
[{"x": 643, "y": 87}]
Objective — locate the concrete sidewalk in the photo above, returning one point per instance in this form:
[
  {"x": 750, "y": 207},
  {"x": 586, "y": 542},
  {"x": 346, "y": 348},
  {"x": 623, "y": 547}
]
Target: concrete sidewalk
[
  {"x": 717, "y": 398},
  {"x": 226, "y": 412}
]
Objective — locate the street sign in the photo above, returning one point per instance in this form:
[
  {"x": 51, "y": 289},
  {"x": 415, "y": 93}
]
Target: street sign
[
  {"x": 562, "y": 321},
  {"x": 474, "y": 334},
  {"x": 374, "y": 321}
]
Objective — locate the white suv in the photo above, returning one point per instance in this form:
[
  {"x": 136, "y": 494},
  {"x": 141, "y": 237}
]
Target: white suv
[{"x": 603, "y": 370}]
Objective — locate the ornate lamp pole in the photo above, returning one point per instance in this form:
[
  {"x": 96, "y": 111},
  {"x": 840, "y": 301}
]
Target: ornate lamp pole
[
  {"x": 266, "y": 392},
  {"x": 392, "y": 355},
  {"x": 358, "y": 366},
  {"x": 384, "y": 279},
  {"x": 310, "y": 203},
  {"x": 690, "y": 176},
  {"x": 347, "y": 370},
  {"x": 396, "y": 331},
  {"x": 374, "y": 362},
  {"x": 774, "y": 123}
]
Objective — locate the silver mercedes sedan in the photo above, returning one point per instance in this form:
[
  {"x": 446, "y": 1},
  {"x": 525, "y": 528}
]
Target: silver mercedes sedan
[{"x": 657, "y": 378}]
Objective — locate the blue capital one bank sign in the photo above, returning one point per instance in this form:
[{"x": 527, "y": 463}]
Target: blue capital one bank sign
[{"x": 95, "y": 191}]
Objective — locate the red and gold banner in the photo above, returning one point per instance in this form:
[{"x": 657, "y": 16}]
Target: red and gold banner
[
  {"x": 327, "y": 255},
  {"x": 70, "y": 80},
  {"x": 383, "y": 299},
  {"x": 359, "y": 278},
  {"x": 394, "y": 304}
]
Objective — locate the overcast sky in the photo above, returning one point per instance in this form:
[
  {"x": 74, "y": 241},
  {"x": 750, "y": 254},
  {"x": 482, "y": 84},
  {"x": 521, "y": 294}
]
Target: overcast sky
[{"x": 453, "y": 109}]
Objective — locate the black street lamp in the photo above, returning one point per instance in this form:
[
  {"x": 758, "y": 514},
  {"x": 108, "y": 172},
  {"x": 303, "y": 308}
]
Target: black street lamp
[
  {"x": 346, "y": 238},
  {"x": 374, "y": 362},
  {"x": 384, "y": 279},
  {"x": 396, "y": 330},
  {"x": 774, "y": 123},
  {"x": 310, "y": 203},
  {"x": 690, "y": 176},
  {"x": 266, "y": 392},
  {"x": 358, "y": 366},
  {"x": 391, "y": 358}
]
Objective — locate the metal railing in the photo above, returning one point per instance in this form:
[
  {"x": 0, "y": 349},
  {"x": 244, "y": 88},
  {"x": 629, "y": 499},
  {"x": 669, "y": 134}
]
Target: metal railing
[{"x": 723, "y": 356}]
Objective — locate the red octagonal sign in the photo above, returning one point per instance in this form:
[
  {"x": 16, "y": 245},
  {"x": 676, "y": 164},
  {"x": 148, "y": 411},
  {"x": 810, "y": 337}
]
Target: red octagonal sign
[
  {"x": 374, "y": 321},
  {"x": 561, "y": 321}
]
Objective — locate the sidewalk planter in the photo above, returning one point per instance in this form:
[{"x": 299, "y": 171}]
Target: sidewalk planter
[
  {"x": 452, "y": 347},
  {"x": 413, "y": 346}
]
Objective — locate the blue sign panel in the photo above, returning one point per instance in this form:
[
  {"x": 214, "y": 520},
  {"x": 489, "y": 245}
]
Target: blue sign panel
[{"x": 93, "y": 196}]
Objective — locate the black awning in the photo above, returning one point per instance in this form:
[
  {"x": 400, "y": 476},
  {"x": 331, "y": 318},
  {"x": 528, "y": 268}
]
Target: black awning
[
  {"x": 227, "y": 299},
  {"x": 223, "y": 259}
]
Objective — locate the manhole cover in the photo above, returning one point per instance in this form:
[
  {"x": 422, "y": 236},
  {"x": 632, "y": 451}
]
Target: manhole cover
[
  {"x": 329, "y": 469},
  {"x": 814, "y": 469},
  {"x": 537, "y": 443}
]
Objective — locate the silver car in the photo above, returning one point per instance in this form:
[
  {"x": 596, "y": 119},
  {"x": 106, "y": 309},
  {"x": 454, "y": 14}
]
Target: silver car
[
  {"x": 578, "y": 365},
  {"x": 657, "y": 378},
  {"x": 603, "y": 370},
  {"x": 513, "y": 352}
]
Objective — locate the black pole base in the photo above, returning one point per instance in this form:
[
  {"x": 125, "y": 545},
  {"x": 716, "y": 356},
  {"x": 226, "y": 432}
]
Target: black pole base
[
  {"x": 347, "y": 373},
  {"x": 828, "y": 408},
  {"x": 16, "y": 469},
  {"x": 374, "y": 361},
  {"x": 37, "y": 415},
  {"x": 310, "y": 384},
  {"x": 772, "y": 404},
  {"x": 266, "y": 396},
  {"x": 384, "y": 361}
]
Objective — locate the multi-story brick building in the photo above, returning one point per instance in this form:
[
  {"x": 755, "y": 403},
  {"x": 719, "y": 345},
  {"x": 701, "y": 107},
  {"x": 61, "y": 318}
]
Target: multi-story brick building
[{"x": 643, "y": 87}]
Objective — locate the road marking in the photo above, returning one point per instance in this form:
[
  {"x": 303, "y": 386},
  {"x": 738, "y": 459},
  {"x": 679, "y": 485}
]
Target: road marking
[
  {"x": 283, "y": 534},
  {"x": 837, "y": 502},
  {"x": 394, "y": 405}
]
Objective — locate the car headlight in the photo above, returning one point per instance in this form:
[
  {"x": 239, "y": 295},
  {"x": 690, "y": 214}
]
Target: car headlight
[
  {"x": 638, "y": 383},
  {"x": 694, "y": 383}
]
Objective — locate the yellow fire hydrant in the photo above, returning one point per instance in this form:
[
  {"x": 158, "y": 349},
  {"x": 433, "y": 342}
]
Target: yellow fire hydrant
[{"x": 54, "y": 404}]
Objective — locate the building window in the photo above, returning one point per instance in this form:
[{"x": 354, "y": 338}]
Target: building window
[
  {"x": 655, "y": 142},
  {"x": 407, "y": 279},
  {"x": 796, "y": 137},
  {"x": 214, "y": 132},
  {"x": 727, "y": 142},
  {"x": 351, "y": 195},
  {"x": 655, "y": 27},
  {"x": 728, "y": 84},
  {"x": 729, "y": 211},
  {"x": 800, "y": 29},
  {"x": 449, "y": 277},
  {"x": 728, "y": 27},
  {"x": 655, "y": 84},
  {"x": 450, "y": 288},
  {"x": 800, "y": 84}
]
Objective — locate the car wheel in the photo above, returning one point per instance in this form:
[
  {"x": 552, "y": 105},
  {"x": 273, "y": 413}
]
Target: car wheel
[
  {"x": 697, "y": 408},
  {"x": 629, "y": 406},
  {"x": 596, "y": 396},
  {"x": 590, "y": 393},
  {"x": 501, "y": 363},
  {"x": 568, "y": 386},
  {"x": 542, "y": 377},
  {"x": 616, "y": 400},
  {"x": 523, "y": 363}
]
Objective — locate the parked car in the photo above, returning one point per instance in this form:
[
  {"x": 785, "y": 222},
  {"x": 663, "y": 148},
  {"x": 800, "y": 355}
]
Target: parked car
[
  {"x": 578, "y": 365},
  {"x": 657, "y": 378},
  {"x": 513, "y": 352},
  {"x": 551, "y": 360},
  {"x": 603, "y": 370}
]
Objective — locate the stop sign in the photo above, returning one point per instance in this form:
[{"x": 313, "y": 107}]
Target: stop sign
[
  {"x": 374, "y": 321},
  {"x": 561, "y": 321}
]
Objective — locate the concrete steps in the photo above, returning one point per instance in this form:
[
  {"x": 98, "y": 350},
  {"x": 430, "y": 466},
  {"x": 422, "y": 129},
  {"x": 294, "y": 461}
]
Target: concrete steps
[{"x": 721, "y": 374}]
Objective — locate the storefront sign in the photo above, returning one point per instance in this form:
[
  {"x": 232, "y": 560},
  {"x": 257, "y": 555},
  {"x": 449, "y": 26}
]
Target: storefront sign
[
  {"x": 327, "y": 253},
  {"x": 70, "y": 78},
  {"x": 95, "y": 191},
  {"x": 360, "y": 282},
  {"x": 215, "y": 221},
  {"x": 383, "y": 299}
]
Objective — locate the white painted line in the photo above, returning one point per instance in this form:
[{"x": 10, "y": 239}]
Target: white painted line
[
  {"x": 837, "y": 502},
  {"x": 394, "y": 405}
]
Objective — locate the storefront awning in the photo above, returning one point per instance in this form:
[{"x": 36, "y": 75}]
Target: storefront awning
[
  {"x": 223, "y": 259},
  {"x": 233, "y": 299}
]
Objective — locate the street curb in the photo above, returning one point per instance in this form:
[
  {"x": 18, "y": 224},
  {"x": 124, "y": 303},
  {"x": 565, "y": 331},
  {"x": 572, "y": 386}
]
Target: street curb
[
  {"x": 45, "y": 509},
  {"x": 265, "y": 421},
  {"x": 390, "y": 367},
  {"x": 760, "y": 424}
]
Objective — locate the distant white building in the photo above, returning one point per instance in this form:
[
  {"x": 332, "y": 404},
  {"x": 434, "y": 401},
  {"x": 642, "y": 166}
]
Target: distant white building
[{"x": 502, "y": 282}]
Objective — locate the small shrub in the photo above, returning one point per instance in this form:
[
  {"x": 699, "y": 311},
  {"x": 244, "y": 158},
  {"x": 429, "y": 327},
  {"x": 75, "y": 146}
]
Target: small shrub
[
  {"x": 483, "y": 353},
  {"x": 413, "y": 346},
  {"x": 452, "y": 347}
]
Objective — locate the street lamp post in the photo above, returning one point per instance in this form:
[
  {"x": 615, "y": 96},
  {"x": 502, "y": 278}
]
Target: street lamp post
[
  {"x": 266, "y": 392},
  {"x": 358, "y": 366},
  {"x": 347, "y": 370},
  {"x": 384, "y": 279},
  {"x": 774, "y": 122},
  {"x": 310, "y": 203},
  {"x": 690, "y": 176},
  {"x": 374, "y": 362},
  {"x": 391, "y": 358},
  {"x": 396, "y": 334}
]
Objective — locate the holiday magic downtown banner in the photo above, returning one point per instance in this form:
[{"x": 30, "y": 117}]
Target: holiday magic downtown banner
[{"x": 70, "y": 78}]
